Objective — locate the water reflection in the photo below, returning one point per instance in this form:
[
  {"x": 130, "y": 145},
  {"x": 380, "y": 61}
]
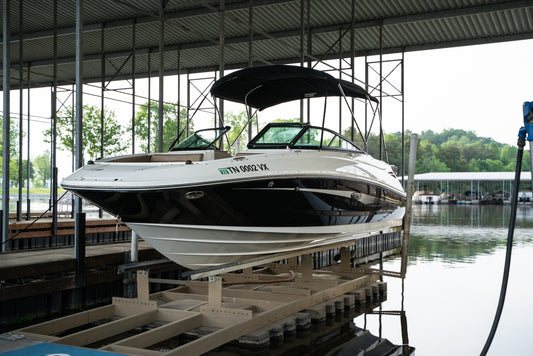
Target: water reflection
[
  {"x": 456, "y": 256},
  {"x": 459, "y": 233},
  {"x": 471, "y": 215}
]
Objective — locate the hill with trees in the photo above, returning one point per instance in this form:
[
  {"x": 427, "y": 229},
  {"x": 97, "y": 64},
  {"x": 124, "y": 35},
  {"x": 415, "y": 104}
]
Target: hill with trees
[{"x": 452, "y": 150}]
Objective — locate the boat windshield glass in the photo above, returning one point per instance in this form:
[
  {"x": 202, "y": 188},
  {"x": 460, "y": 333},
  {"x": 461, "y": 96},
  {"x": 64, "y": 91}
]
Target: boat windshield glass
[
  {"x": 301, "y": 136},
  {"x": 201, "y": 140}
]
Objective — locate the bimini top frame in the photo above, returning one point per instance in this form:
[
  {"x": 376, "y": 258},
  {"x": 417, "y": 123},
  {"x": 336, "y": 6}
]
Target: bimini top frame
[{"x": 266, "y": 86}]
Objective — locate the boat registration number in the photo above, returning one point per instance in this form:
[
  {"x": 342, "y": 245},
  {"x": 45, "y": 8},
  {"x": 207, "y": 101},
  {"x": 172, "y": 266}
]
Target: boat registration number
[{"x": 244, "y": 168}]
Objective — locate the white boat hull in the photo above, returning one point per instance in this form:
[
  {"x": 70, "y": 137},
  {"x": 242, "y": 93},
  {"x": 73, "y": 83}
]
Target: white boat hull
[{"x": 197, "y": 246}]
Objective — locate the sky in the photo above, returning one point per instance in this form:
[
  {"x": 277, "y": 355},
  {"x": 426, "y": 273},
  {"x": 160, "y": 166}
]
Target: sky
[{"x": 475, "y": 88}]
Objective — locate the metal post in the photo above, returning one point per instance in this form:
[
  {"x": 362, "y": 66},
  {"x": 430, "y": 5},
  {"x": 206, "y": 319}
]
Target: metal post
[
  {"x": 221, "y": 47},
  {"x": 54, "y": 131},
  {"x": 149, "y": 108},
  {"x": 102, "y": 99},
  {"x": 309, "y": 53},
  {"x": 409, "y": 204},
  {"x": 179, "y": 96},
  {"x": 6, "y": 121},
  {"x": 188, "y": 100},
  {"x": 134, "y": 247},
  {"x": 79, "y": 231},
  {"x": 352, "y": 64},
  {"x": 21, "y": 93},
  {"x": 79, "y": 217},
  {"x": 340, "y": 77},
  {"x": 102, "y": 92},
  {"x": 403, "y": 121},
  {"x": 250, "y": 52},
  {"x": 302, "y": 56},
  {"x": 28, "y": 202},
  {"x": 380, "y": 89},
  {"x": 134, "y": 52},
  {"x": 161, "y": 73}
]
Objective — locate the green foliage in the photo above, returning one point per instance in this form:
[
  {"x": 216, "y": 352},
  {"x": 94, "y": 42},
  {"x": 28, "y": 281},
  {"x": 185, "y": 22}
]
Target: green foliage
[
  {"x": 13, "y": 149},
  {"x": 237, "y": 122},
  {"x": 42, "y": 169},
  {"x": 14, "y": 171},
  {"x": 449, "y": 151},
  {"x": 113, "y": 142},
  {"x": 170, "y": 126}
]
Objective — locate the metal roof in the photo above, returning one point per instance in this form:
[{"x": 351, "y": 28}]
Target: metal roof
[
  {"x": 192, "y": 28},
  {"x": 470, "y": 176}
]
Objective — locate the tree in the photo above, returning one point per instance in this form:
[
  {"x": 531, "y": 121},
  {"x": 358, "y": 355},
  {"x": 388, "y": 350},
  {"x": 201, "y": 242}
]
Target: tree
[
  {"x": 42, "y": 168},
  {"x": 451, "y": 155},
  {"x": 14, "y": 172},
  {"x": 170, "y": 125},
  {"x": 237, "y": 122},
  {"x": 91, "y": 142},
  {"x": 13, "y": 150}
]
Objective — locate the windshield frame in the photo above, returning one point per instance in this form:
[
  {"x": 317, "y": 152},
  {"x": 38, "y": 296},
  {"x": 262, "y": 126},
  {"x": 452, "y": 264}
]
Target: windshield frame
[
  {"x": 294, "y": 142},
  {"x": 189, "y": 144}
]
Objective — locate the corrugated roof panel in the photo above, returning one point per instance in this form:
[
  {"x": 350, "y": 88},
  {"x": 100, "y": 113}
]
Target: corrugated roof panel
[{"x": 408, "y": 25}]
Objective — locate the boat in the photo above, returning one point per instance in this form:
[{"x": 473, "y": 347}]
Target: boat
[{"x": 296, "y": 185}]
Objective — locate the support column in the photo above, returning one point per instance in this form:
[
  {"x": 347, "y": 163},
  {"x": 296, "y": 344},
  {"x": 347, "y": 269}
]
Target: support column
[
  {"x": 134, "y": 53},
  {"x": 222, "y": 44},
  {"x": 21, "y": 94},
  {"x": 53, "y": 158},
  {"x": 102, "y": 92},
  {"x": 28, "y": 201},
  {"x": 352, "y": 64},
  {"x": 102, "y": 99},
  {"x": 402, "y": 171},
  {"x": 6, "y": 61},
  {"x": 179, "y": 97},
  {"x": 302, "y": 55},
  {"x": 409, "y": 204},
  {"x": 79, "y": 217},
  {"x": 188, "y": 100},
  {"x": 149, "y": 108},
  {"x": 161, "y": 74}
]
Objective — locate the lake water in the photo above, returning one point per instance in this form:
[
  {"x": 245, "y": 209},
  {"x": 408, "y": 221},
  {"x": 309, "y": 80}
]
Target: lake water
[{"x": 451, "y": 291}]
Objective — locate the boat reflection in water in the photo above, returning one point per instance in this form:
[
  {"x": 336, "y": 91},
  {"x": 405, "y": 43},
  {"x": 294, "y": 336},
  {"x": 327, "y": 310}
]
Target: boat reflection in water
[{"x": 342, "y": 334}]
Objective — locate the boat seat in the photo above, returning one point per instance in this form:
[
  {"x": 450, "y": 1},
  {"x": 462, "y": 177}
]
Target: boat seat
[
  {"x": 222, "y": 154},
  {"x": 195, "y": 157}
]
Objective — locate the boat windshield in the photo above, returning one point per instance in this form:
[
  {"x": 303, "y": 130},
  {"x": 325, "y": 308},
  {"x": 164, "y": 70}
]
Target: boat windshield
[
  {"x": 295, "y": 135},
  {"x": 202, "y": 139}
]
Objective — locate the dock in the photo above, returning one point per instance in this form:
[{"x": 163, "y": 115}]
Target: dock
[
  {"x": 251, "y": 303},
  {"x": 198, "y": 316}
]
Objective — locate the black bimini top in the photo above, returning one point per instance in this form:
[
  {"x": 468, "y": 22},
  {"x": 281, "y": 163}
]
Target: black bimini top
[{"x": 266, "y": 86}]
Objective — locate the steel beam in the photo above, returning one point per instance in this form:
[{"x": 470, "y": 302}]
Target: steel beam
[
  {"x": 21, "y": 94},
  {"x": 5, "y": 121},
  {"x": 133, "y": 77},
  {"x": 161, "y": 104},
  {"x": 79, "y": 217},
  {"x": 28, "y": 166},
  {"x": 53, "y": 130}
]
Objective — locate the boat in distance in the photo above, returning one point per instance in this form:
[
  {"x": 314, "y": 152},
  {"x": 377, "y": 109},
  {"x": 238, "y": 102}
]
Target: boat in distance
[{"x": 296, "y": 185}]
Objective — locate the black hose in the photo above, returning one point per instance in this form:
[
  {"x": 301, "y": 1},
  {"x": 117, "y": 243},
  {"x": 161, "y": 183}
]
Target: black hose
[{"x": 514, "y": 203}]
